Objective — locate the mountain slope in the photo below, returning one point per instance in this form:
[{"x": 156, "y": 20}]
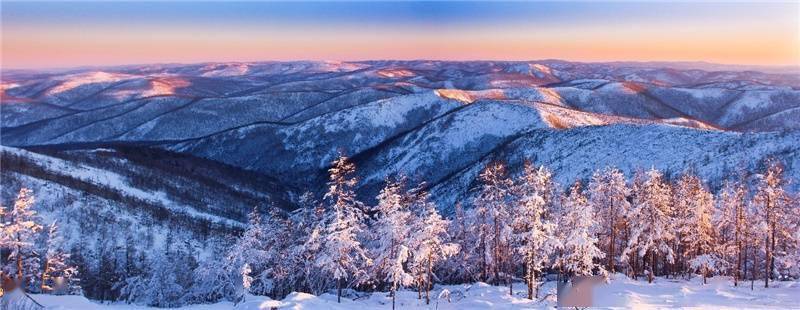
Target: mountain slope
[{"x": 438, "y": 122}]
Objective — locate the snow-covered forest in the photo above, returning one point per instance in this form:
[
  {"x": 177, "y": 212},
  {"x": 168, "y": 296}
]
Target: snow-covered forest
[{"x": 517, "y": 229}]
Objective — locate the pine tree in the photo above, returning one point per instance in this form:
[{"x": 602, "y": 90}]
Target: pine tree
[
  {"x": 772, "y": 202},
  {"x": 608, "y": 195},
  {"x": 462, "y": 267},
  {"x": 533, "y": 233},
  {"x": 300, "y": 254},
  {"x": 580, "y": 242},
  {"x": 162, "y": 289},
  {"x": 272, "y": 262},
  {"x": 392, "y": 231},
  {"x": 430, "y": 241},
  {"x": 342, "y": 254},
  {"x": 731, "y": 220},
  {"x": 397, "y": 275},
  {"x": 56, "y": 274},
  {"x": 221, "y": 281},
  {"x": 692, "y": 213},
  {"x": 21, "y": 232},
  {"x": 492, "y": 202},
  {"x": 649, "y": 220}
]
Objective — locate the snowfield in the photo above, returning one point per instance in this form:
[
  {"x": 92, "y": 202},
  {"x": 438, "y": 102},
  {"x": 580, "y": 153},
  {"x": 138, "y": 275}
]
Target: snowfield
[{"x": 719, "y": 293}]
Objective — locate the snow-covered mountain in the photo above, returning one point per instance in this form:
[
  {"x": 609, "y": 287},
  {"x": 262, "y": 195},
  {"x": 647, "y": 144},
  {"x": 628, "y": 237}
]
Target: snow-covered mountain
[
  {"x": 438, "y": 122},
  {"x": 133, "y": 198}
]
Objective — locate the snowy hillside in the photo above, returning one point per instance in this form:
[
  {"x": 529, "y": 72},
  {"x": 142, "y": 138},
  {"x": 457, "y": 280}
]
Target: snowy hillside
[
  {"x": 438, "y": 121},
  {"x": 181, "y": 184}
]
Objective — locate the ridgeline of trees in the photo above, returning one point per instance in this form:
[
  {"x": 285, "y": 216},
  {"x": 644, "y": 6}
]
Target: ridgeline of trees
[{"x": 520, "y": 227}]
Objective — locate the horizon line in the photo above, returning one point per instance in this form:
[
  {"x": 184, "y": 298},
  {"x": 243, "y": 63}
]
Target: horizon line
[{"x": 178, "y": 63}]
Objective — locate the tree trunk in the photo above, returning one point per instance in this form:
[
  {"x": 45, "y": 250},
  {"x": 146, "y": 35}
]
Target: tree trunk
[
  {"x": 529, "y": 279},
  {"x": 705, "y": 275},
  {"x": 20, "y": 278},
  {"x": 652, "y": 262},
  {"x": 482, "y": 248},
  {"x": 428, "y": 283},
  {"x": 510, "y": 286},
  {"x": 613, "y": 237},
  {"x": 744, "y": 264},
  {"x": 394, "y": 295},
  {"x": 338, "y": 290},
  {"x": 527, "y": 276},
  {"x": 766, "y": 262},
  {"x": 44, "y": 275},
  {"x": 772, "y": 254},
  {"x": 496, "y": 252},
  {"x": 768, "y": 255},
  {"x": 419, "y": 287},
  {"x": 738, "y": 245},
  {"x": 753, "y": 269},
  {"x": 509, "y": 270}
]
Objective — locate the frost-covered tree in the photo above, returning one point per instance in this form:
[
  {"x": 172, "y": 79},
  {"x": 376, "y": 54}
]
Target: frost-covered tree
[
  {"x": 392, "y": 231},
  {"x": 772, "y": 201},
  {"x": 706, "y": 264},
  {"x": 464, "y": 266},
  {"x": 161, "y": 288},
  {"x": 533, "y": 233},
  {"x": 305, "y": 233},
  {"x": 649, "y": 220},
  {"x": 581, "y": 252},
  {"x": 391, "y": 228},
  {"x": 276, "y": 262},
  {"x": 430, "y": 241},
  {"x": 21, "y": 232},
  {"x": 341, "y": 253},
  {"x": 493, "y": 204},
  {"x": 692, "y": 210},
  {"x": 398, "y": 276},
  {"x": 57, "y": 274},
  {"x": 608, "y": 194},
  {"x": 222, "y": 278},
  {"x": 220, "y": 281},
  {"x": 730, "y": 220}
]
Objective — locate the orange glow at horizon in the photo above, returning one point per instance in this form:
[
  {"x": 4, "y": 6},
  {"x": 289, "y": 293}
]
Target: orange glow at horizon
[{"x": 750, "y": 42}]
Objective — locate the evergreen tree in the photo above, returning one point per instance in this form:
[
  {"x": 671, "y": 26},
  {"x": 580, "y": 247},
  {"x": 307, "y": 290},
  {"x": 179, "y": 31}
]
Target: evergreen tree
[
  {"x": 463, "y": 266},
  {"x": 392, "y": 231},
  {"x": 731, "y": 221},
  {"x": 533, "y": 233},
  {"x": 493, "y": 204},
  {"x": 341, "y": 252},
  {"x": 694, "y": 223},
  {"x": 56, "y": 273},
  {"x": 21, "y": 232},
  {"x": 772, "y": 202},
  {"x": 649, "y": 219},
  {"x": 430, "y": 242},
  {"x": 608, "y": 195},
  {"x": 580, "y": 242}
]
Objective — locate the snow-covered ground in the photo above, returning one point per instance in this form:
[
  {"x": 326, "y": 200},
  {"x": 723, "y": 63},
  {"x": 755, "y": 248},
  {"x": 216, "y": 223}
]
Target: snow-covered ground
[{"x": 719, "y": 293}]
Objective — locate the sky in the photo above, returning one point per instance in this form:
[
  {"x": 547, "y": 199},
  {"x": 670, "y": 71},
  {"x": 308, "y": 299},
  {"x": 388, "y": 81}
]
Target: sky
[{"x": 67, "y": 34}]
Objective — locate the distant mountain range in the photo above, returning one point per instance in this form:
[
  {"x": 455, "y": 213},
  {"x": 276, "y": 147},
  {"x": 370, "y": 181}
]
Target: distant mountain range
[{"x": 274, "y": 127}]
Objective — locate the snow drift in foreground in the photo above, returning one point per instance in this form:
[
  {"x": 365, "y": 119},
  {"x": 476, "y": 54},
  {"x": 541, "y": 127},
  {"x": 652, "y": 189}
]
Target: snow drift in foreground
[{"x": 719, "y": 293}]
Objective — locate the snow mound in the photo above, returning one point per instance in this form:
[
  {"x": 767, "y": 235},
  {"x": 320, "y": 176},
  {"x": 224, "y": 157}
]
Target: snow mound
[
  {"x": 468, "y": 97},
  {"x": 73, "y": 81}
]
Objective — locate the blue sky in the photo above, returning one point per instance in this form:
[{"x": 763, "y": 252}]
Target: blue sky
[{"x": 706, "y": 31}]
